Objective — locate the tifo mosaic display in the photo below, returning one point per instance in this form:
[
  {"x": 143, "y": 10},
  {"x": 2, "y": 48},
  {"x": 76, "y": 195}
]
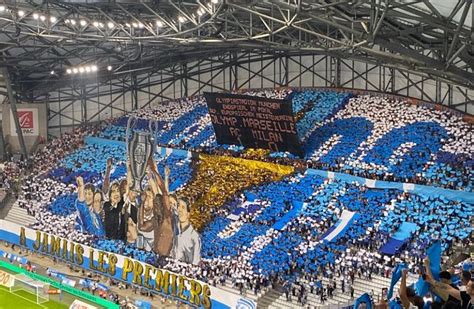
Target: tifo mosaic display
[
  {"x": 256, "y": 219},
  {"x": 365, "y": 136}
]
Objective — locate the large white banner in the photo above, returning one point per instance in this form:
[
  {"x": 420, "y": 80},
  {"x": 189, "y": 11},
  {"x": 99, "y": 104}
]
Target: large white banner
[{"x": 29, "y": 122}]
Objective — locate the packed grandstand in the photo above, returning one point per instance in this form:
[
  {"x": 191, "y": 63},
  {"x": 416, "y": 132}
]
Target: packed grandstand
[{"x": 383, "y": 183}]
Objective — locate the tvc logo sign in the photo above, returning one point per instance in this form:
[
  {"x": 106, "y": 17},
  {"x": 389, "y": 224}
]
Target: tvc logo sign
[{"x": 28, "y": 118}]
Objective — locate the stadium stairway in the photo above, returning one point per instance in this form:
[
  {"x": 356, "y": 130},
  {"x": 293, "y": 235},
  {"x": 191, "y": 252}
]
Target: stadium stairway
[
  {"x": 20, "y": 216},
  {"x": 276, "y": 300},
  {"x": 247, "y": 293},
  {"x": 268, "y": 299},
  {"x": 459, "y": 255}
]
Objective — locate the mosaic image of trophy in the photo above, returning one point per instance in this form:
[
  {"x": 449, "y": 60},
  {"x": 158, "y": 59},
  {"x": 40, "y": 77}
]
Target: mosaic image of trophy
[{"x": 140, "y": 147}]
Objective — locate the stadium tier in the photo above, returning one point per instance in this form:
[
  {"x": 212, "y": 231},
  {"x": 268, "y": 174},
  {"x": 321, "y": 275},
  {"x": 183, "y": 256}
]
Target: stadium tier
[{"x": 380, "y": 182}]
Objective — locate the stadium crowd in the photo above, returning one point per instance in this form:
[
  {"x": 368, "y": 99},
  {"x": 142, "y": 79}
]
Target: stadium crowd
[
  {"x": 372, "y": 137},
  {"x": 368, "y": 136}
]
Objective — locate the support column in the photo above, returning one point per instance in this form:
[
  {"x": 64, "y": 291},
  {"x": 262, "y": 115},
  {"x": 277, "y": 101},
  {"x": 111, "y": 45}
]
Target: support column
[
  {"x": 133, "y": 91},
  {"x": 184, "y": 80},
  {"x": 12, "y": 100},
  {"x": 2, "y": 145},
  {"x": 84, "y": 117}
]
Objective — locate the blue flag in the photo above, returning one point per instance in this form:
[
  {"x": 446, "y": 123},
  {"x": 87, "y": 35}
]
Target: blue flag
[
  {"x": 142, "y": 304},
  {"x": 396, "y": 275},
  {"x": 434, "y": 254},
  {"x": 364, "y": 298},
  {"x": 394, "y": 305}
]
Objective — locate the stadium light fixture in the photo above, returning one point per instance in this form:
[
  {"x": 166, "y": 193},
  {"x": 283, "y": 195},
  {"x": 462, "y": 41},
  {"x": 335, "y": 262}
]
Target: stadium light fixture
[
  {"x": 2, "y": 8},
  {"x": 75, "y": 70},
  {"x": 21, "y": 13},
  {"x": 69, "y": 71},
  {"x": 52, "y": 19},
  {"x": 81, "y": 69},
  {"x": 52, "y": 72},
  {"x": 110, "y": 25},
  {"x": 83, "y": 22},
  {"x": 35, "y": 16},
  {"x": 43, "y": 18},
  {"x": 73, "y": 22},
  {"x": 88, "y": 69},
  {"x": 109, "y": 68},
  {"x": 94, "y": 68},
  {"x": 159, "y": 23},
  {"x": 181, "y": 19}
]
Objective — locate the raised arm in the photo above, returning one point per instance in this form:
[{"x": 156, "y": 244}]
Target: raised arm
[
  {"x": 157, "y": 177},
  {"x": 441, "y": 292},
  {"x": 106, "y": 183},
  {"x": 426, "y": 263},
  {"x": 129, "y": 177},
  {"x": 152, "y": 183},
  {"x": 446, "y": 288},
  {"x": 403, "y": 290},
  {"x": 80, "y": 205},
  {"x": 144, "y": 226},
  {"x": 80, "y": 189},
  {"x": 167, "y": 178}
]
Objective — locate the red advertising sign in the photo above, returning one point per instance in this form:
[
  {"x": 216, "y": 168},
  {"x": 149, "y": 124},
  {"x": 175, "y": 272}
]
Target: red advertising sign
[
  {"x": 29, "y": 123},
  {"x": 26, "y": 119}
]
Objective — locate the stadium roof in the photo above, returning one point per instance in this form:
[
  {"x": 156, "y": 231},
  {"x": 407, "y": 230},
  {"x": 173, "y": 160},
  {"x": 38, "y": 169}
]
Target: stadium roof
[{"x": 42, "y": 42}]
